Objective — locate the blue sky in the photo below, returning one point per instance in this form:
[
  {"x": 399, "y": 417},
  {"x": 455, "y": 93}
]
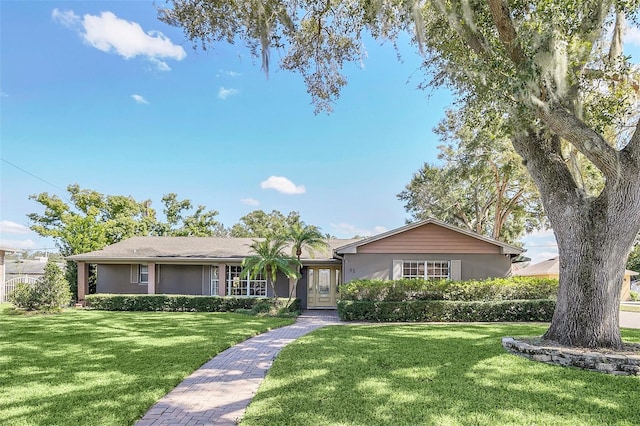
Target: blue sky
[{"x": 104, "y": 95}]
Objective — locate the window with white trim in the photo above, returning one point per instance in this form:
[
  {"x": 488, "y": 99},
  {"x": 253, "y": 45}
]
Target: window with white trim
[
  {"x": 143, "y": 274},
  {"x": 215, "y": 282},
  {"x": 249, "y": 286},
  {"x": 427, "y": 269}
]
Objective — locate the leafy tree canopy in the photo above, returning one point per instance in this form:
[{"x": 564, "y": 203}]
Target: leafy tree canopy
[
  {"x": 259, "y": 224},
  {"x": 89, "y": 220},
  {"x": 633, "y": 263},
  {"x": 480, "y": 185},
  {"x": 200, "y": 223}
]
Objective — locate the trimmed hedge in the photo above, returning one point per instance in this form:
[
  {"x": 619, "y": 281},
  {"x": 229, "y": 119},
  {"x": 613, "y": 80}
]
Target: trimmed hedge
[
  {"x": 513, "y": 288},
  {"x": 181, "y": 303},
  {"x": 446, "y": 310}
]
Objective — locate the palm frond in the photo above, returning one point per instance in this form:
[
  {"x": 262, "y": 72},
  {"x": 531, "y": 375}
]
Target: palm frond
[
  {"x": 303, "y": 236},
  {"x": 268, "y": 260}
]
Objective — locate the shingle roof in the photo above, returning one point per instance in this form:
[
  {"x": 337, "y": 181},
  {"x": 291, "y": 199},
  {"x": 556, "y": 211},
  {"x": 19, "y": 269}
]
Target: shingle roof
[
  {"x": 185, "y": 248},
  {"x": 549, "y": 267}
]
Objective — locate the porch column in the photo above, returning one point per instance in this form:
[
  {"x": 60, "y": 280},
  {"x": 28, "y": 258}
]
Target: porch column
[
  {"x": 151, "y": 285},
  {"x": 83, "y": 281},
  {"x": 222, "y": 279}
]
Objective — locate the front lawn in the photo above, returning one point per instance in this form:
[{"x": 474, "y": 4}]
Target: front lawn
[
  {"x": 106, "y": 368},
  {"x": 434, "y": 375}
]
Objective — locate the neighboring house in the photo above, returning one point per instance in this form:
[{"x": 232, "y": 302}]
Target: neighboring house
[
  {"x": 22, "y": 271},
  {"x": 32, "y": 268},
  {"x": 3, "y": 290},
  {"x": 550, "y": 268},
  {"x": 211, "y": 266}
]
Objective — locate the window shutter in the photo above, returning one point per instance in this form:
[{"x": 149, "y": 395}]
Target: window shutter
[
  {"x": 397, "y": 270},
  {"x": 455, "y": 270},
  {"x": 135, "y": 273}
]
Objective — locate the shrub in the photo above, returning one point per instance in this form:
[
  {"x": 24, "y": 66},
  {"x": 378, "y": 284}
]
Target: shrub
[
  {"x": 50, "y": 293},
  {"x": 183, "y": 303},
  {"x": 446, "y": 310},
  {"x": 514, "y": 288},
  {"x": 23, "y": 297},
  {"x": 634, "y": 296},
  {"x": 275, "y": 308}
]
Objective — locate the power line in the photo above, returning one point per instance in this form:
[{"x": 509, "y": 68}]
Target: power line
[{"x": 37, "y": 177}]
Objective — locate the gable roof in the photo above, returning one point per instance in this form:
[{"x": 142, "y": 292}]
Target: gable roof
[
  {"x": 352, "y": 248},
  {"x": 549, "y": 267},
  {"x": 188, "y": 249}
]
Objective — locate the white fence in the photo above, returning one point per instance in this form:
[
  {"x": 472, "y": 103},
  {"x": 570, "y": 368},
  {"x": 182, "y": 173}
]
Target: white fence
[{"x": 10, "y": 285}]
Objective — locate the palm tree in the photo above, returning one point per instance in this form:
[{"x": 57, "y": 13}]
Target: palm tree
[
  {"x": 302, "y": 236},
  {"x": 269, "y": 259}
]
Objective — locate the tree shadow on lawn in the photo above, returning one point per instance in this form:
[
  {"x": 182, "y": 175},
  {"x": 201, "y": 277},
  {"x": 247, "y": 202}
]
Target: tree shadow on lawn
[
  {"x": 96, "y": 367},
  {"x": 431, "y": 374}
]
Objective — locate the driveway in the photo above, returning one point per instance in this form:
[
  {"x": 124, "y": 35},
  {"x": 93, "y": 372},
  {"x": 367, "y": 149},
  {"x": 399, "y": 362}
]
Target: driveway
[{"x": 629, "y": 319}]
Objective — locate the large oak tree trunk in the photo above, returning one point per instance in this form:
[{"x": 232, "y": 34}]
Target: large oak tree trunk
[
  {"x": 592, "y": 263},
  {"x": 594, "y": 236}
]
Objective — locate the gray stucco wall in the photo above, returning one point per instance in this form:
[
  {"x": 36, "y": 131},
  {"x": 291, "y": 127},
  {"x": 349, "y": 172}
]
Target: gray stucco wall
[
  {"x": 174, "y": 279},
  {"x": 117, "y": 279},
  {"x": 380, "y": 266},
  {"x": 282, "y": 286},
  {"x": 180, "y": 279}
]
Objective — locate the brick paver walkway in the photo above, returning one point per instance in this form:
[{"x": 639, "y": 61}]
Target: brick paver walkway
[{"x": 218, "y": 392}]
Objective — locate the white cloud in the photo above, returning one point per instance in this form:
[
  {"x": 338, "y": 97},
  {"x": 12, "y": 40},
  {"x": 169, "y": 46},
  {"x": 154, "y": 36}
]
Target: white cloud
[
  {"x": 347, "y": 230},
  {"x": 282, "y": 185},
  {"x": 109, "y": 33},
  {"x": 160, "y": 65},
  {"x": 225, "y": 93},
  {"x": 379, "y": 229},
  {"x": 8, "y": 227},
  {"x": 543, "y": 233},
  {"x": 540, "y": 245},
  {"x": 540, "y": 256},
  {"x": 632, "y": 36},
  {"x": 250, "y": 201},
  {"x": 67, "y": 18},
  {"x": 27, "y": 244},
  {"x": 140, "y": 99}
]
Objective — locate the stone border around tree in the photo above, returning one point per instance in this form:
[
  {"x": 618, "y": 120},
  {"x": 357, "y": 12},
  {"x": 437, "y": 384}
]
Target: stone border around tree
[{"x": 609, "y": 363}]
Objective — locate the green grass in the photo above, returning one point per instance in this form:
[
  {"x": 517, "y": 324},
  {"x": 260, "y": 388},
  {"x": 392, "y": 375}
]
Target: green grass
[
  {"x": 434, "y": 375},
  {"x": 105, "y": 368}
]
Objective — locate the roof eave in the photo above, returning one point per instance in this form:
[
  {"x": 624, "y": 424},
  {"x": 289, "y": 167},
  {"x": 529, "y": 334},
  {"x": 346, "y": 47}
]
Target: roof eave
[{"x": 181, "y": 260}]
